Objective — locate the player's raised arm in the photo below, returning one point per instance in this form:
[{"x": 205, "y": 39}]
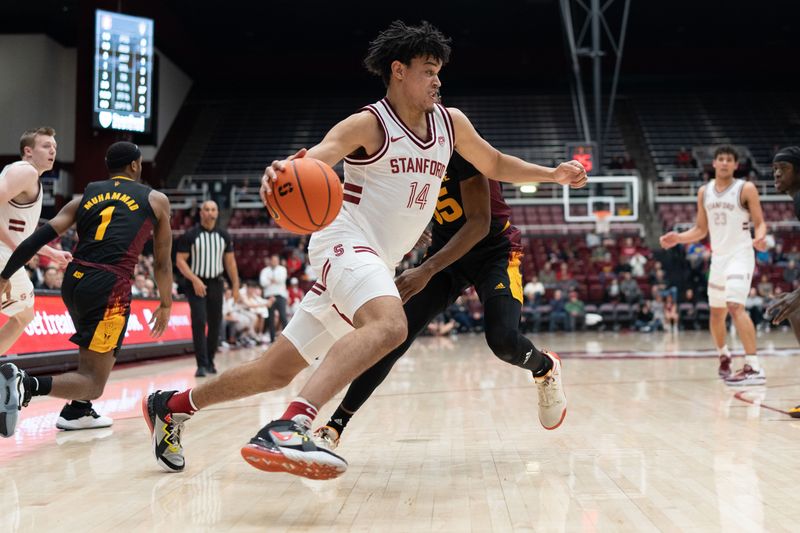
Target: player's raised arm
[
  {"x": 496, "y": 165},
  {"x": 358, "y": 131},
  {"x": 162, "y": 259}
]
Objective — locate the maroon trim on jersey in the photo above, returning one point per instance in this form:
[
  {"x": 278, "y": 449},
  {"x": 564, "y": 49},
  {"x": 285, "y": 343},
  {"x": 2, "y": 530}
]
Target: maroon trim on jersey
[
  {"x": 16, "y": 225},
  {"x": 364, "y": 249},
  {"x": 499, "y": 207},
  {"x": 352, "y": 199},
  {"x": 318, "y": 289},
  {"x": 352, "y": 187},
  {"x": 448, "y": 121},
  {"x": 411, "y": 135},
  {"x": 355, "y": 160},
  {"x": 29, "y": 204},
  {"x": 325, "y": 269},
  {"x": 342, "y": 315}
]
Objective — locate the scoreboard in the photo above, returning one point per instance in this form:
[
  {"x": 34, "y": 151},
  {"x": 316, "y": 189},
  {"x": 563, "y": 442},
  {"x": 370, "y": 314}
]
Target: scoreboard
[{"x": 123, "y": 72}]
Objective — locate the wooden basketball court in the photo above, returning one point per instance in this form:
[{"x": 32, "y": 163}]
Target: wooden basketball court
[{"x": 653, "y": 441}]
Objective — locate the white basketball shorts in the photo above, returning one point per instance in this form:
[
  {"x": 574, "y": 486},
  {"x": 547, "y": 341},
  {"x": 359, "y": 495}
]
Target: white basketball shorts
[
  {"x": 730, "y": 277},
  {"x": 21, "y": 288},
  {"x": 349, "y": 274}
]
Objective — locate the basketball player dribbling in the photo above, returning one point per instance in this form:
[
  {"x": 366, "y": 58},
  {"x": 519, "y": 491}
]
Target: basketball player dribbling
[
  {"x": 725, "y": 208},
  {"x": 396, "y": 152},
  {"x": 473, "y": 243},
  {"x": 786, "y": 171}
]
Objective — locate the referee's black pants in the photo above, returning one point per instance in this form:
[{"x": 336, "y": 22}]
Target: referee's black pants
[
  {"x": 206, "y": 310},
  {"x": 278, "y": 306}
]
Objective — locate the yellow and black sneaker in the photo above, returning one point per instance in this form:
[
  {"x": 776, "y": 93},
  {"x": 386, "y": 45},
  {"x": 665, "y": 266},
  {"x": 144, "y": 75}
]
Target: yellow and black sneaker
[{"x": 794, "y": 412}]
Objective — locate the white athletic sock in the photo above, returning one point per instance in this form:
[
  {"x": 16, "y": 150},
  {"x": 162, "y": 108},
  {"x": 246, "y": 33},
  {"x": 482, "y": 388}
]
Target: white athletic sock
[
  {"x": 752, "y": 360},
  {"x": 724, "y": 351}
]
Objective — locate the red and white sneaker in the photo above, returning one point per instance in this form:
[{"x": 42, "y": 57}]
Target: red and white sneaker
[
  {"x": 326, "y": 437},
  {"x": 724, "y": 366},
  {"x": 552, "y": 400},
  {"x": 746, "y": 377}
]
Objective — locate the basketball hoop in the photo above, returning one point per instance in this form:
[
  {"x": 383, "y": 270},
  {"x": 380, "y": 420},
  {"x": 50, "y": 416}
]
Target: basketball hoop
[{"x": 602, "y": 222}]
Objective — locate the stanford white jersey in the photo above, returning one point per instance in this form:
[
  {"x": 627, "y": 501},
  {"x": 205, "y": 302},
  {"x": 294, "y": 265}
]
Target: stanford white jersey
[
  {"x": 390, "y": 196},
  {"x": 728, "y": 220},
  {"x": 19, "y": 219}
]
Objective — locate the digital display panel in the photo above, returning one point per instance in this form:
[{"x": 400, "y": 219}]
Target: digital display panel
[{"x": 123, "y": 72}]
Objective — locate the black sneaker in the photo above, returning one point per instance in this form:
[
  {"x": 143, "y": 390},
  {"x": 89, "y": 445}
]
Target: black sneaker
[
  {"x": 211, "y": 369},
  {"x": 165, "y": 428},
  {"x": 200, "y": 373},
  {"x": 81, "y": 415},
  {"x": 13, "y": 397},
  {"x": 285, "y": 446}
]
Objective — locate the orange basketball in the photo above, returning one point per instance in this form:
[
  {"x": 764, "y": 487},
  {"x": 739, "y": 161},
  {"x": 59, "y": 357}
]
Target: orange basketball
[{"x": 306, "y": 197}]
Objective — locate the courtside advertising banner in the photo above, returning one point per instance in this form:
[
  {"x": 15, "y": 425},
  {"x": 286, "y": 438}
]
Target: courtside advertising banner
[{"x": 52, "y": 326}]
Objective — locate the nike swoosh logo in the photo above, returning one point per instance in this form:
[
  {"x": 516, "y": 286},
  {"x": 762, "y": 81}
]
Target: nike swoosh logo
[
  {"x": 280, "y": 436},
  {"x": 395, "y": 139}
]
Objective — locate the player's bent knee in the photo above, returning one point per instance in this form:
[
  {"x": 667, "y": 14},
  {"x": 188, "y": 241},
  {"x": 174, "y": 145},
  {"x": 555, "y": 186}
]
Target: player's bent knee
[
  {"x": 734, "y": 307},
  {"x": 503, "y": 343},
  {"x": 393, "y": 333}
]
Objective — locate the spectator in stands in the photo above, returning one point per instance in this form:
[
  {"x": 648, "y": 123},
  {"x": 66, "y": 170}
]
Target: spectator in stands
[
  {"x": 533, "y": 292},
  {"x": 612, "y": 291},
  {"x": 273, "y": 280},
  {"x": 238, "y": 323},
  {"x": 252, "y": 302},
  {"x": 629, "y": 288},
  {"x": 577, "y": 312},
  {"x": 592, "y": 240},
  {"x": 657, "y": 306},
  {"x": 150, "y": 286},
  {"x": 294, "y": 265},
  {"x": 671, "y": 317},
  {"x": 622, "y": 266},
  {"x": 766, "y": 288},
  {"x": 474, "y": 307},
  {"x": 558, "y": 312},
  {"x": 531, "y": 318},
  {"x": 793, "y": 254},
  {"x": 754, "y": 304},
  {"x": 628, "y": 162},
  {"x": 791, "y": 273},
  {"x": 684, "y": 158},
  {"x": 295, "y": 296},
  {"x": 628, "y": 248},
  {"x": 548, "y": 276},
  {"x": 616, "y": 163},
  {"x": 779, "y": 257},
  {"x": 600, "y": 254},
  {"x": 461, "y": 314},
  {"x": 638, "y": 262},
  {"x": 52, "y": 279},
  {"x": 565, "y": 280},
  {"x": 35, "y": 272},
  {"x": 644, "y": 318},
  {"x": 138, "y": 288}
]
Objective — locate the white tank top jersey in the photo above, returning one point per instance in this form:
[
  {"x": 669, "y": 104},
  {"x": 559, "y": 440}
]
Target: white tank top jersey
[
  {"x": 390, "y": 196},
  {"x": 728, "y": 219},
  {"x": 19, "y": 219}
]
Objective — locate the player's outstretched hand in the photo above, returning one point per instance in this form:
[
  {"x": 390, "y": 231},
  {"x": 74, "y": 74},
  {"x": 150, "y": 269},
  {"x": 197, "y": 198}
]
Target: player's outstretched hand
[
  {"x": 411, "y": 281},
  {"x": 571, "y": 173},
  {"x": 784, "y": 306},
  {"x": 159, "y": 320},
  {"x": 60, "y": 259},
  {"x": 668, "y": 240},
  {"x": 270, "y": 173},
  {"x": 5, "y": 290}
]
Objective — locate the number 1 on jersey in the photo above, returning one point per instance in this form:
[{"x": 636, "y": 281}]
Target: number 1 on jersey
[{"x": 105, "y": 220}]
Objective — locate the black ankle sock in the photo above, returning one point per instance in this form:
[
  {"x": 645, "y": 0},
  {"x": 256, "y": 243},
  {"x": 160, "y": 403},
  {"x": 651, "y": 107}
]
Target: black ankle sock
[
  {"x": 81, "y": 403},
  {"x": 535, "y": 361},
  {"x": 38, "y": 386},
  {"x": 339, "y": 419}
]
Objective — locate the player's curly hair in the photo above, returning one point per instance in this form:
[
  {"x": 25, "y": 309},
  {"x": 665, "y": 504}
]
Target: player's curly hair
[
  {"x": 728, "y": 150},
  {"x": 400, "y": 42}
]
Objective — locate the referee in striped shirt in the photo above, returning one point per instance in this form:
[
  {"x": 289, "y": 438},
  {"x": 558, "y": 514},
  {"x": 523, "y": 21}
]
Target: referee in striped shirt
[{"x": 202, "y": 254}]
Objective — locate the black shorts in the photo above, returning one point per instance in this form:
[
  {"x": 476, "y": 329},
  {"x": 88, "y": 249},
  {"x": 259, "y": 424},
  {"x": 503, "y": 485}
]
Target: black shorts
[
  {"x": 99, "y": 303},
  {"x": 493, "y": 267}
]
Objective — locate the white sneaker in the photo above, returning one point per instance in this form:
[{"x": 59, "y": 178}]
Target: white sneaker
[
  {"x": 81, "y": 417},
  {"x": 552, "y": 400},
  {"x": 326, "y": 437}
]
